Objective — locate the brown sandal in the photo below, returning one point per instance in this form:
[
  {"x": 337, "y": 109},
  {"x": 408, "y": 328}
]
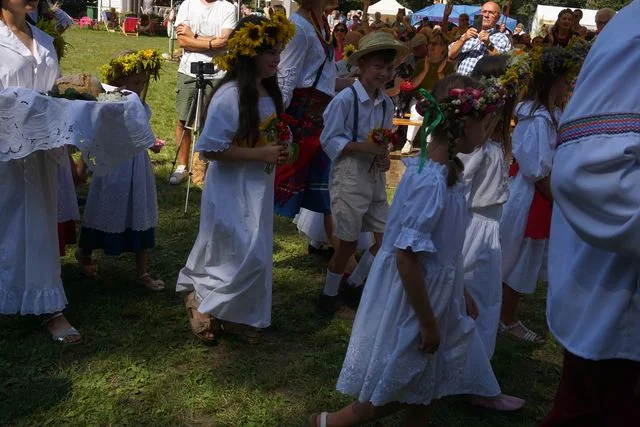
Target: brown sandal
[
  {"x": 87, "y": 267},
  {"x": 246, "y": 333},
  {"x": 201, "y": 328}
]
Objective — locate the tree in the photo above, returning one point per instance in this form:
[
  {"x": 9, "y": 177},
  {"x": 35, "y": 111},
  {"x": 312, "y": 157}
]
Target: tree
[{"x": 613, "y": 4}]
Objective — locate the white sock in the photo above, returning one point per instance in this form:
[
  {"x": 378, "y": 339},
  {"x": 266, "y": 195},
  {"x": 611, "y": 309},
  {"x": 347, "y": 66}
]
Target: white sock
[
  {"x": 361, "y": 271},
  {"x": 181, "y": 168},
  {"x": 332, "y": 284}
]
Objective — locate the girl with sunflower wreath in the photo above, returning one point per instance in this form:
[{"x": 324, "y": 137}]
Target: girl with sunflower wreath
[{"x": 228, "y": 272}]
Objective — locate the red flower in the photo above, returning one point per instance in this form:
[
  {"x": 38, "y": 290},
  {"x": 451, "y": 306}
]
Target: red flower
[
  {"x": 287, "y": 119},
  {"x": 456, "y": 93},
  {"x": 406, "y": 86}
]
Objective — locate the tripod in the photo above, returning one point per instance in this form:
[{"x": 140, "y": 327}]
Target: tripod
[{"x": 195, "y": 117}]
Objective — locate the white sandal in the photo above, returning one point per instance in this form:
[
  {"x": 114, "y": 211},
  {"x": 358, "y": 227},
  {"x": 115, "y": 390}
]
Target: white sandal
[
  {"x": 529, "y": 336},
  {"x": 323, "y": 419},
  {"x": 155, "y": 285},
  {"x": 59, "y": 336}
]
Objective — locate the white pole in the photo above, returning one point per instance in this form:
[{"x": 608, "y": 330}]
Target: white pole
[{"x": 287, "y": 7}]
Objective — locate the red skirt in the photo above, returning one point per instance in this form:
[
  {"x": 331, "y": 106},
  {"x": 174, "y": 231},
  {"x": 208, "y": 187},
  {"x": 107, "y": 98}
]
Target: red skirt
[
  {"x": 592, "y": 393},
  {"x": 539, "y": 220}
]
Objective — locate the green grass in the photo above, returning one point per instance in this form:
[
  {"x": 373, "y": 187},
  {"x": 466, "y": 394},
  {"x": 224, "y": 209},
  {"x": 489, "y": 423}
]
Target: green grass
[{"x": 140, "y": 364}]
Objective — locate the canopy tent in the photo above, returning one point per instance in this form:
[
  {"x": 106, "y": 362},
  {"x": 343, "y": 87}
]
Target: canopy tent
[
  {"x": 436, "y": 11},
  {"x": 547, "y": 15},
  {"x": 387, "y": 7}
]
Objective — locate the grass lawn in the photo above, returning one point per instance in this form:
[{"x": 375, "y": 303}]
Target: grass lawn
[{"x": 140, "y": 364}]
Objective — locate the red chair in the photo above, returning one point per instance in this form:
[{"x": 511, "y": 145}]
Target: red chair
[
  {"x": 85, "y": 21},
  {"x": 130, "y": 26}
]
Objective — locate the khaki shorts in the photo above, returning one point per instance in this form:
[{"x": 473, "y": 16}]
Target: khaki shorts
[
  {"x": 358, "y": 197},
  {"x": 186, "y": 92}
]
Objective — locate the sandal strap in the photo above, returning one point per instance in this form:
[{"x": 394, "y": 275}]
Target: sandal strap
[
  {"x": 50, "y": 318},
  {"x": 323, "y": 419},
  {"x": 61, "y": 335}
]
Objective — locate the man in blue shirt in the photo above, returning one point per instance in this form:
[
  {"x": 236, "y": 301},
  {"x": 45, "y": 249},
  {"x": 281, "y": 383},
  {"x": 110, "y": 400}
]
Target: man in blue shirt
[{"x": 473, "y": 45}]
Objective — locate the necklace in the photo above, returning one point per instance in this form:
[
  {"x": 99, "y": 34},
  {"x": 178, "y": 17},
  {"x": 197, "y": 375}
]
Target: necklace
[{"x": 325, "y": 38}]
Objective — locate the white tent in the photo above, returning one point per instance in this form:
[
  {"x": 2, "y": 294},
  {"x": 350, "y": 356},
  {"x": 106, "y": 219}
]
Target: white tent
[
  {"x": 387, "y": 7},
  {"x": 547, "y": 15}
]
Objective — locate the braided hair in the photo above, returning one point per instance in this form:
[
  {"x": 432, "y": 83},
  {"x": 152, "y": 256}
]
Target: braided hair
[{"x": 453, "y": 127}]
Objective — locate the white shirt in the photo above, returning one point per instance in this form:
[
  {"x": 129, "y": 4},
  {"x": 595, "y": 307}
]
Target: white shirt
[
  {"x": 338, "y": 118},
  {"x": 593, "y": 304},
  {"x": 206, "y": 19},
  {"x": 486, "y": 176},
  {"x": 300, "y": 61},
  {"x": 20, "y": 67}
]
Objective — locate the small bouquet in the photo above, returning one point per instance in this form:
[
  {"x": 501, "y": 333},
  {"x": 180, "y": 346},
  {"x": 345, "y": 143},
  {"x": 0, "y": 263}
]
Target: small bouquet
[
  {"x": 275, "y": 129},
  {"x": 407, "y": 86},
  {"x": 157, "y": 146},
  {"x": 385, "y": 137}
]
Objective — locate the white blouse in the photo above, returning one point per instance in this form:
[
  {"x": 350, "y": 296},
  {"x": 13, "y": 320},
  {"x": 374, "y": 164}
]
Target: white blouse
[
  {"x": 338, "y": 118},
  {"x": 486, "y": 176},
  {"x": 593, "y": 304},
  {"x": 301, "y": 59},
  {"x": 35, "y": 69}
]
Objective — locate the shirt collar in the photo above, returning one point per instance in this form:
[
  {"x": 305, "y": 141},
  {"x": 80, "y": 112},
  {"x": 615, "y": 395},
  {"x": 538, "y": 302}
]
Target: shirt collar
[
  {"x": 10, "y": 41},
  {"x": 363, "y": 96}
]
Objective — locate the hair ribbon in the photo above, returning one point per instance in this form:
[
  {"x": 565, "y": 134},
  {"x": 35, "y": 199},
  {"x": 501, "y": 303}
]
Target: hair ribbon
[{"x": 433, "y": 117}]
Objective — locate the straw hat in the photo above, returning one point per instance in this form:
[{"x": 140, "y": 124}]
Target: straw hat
[{"x": 377, "y": 41}]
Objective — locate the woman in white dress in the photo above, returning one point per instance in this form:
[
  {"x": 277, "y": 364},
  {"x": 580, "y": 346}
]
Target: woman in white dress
[
  {"x": 526, "y": 220},
  {"x": 228, "y": 273},
  {"x": 30, "y": 282},
  {"x": 411, "y": 335}
]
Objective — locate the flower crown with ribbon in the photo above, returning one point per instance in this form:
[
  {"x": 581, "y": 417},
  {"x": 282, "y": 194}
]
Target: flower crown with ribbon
[
  {"x": 461, "y": 102},
  {"x": 247, "y": 40},
  {"x": 147, "y": 60}
]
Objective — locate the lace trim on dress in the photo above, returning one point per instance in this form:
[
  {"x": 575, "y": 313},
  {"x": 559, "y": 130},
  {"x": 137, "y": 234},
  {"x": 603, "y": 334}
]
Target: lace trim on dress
[
  {"x": 107, "y": 133},
  {"x": 50, "y": 300}
]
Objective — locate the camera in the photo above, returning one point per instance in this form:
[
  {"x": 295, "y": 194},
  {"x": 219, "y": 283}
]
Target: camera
[{"x": 199, "y": 68}]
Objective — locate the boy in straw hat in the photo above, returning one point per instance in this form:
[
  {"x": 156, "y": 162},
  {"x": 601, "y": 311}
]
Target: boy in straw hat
[
  {"x": 593, "y": 304},
  {"x": 357, "y": 180}
]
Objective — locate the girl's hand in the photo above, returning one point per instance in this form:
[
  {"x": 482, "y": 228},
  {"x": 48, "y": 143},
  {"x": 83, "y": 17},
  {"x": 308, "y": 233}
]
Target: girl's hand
[
  {"x": 274, "y": 153},
  {"x": 373, "y": 148},
  {"x": 429, "y": 337},
  {"x": 383, "y": 162},
  {"x": 472, "y": 308},
  {"x": 441, "y": 69}
]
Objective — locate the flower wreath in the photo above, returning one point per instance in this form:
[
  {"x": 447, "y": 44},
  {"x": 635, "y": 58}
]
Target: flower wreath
[
  {"x": 49, "y": 22},
  {"x": 559, "y": 60},
  {"x": 489, "y": 97},
  {"x": 247, "y": 40},
  {"x": 148, "y": 60}
]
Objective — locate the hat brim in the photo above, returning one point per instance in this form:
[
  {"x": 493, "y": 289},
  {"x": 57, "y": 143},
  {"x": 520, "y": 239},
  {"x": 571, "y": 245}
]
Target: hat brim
[{"x": 401, "y": 51}]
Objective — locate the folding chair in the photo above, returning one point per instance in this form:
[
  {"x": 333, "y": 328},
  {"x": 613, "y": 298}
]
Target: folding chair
[
  {"x": 105, "y": 21},
  {"x": 130, "y": 26}
]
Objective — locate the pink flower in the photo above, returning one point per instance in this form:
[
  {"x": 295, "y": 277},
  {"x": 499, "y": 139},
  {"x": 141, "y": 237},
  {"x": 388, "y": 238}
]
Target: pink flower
[
  {"x": 456, "y": 93},
  {"x": 476, "y": 93},
  {"x": 466, "y": 107}
]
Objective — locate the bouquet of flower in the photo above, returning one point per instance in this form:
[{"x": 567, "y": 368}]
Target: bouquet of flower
[
  {"x": 275, "y": 129},
  {"x": 385, "y": 137}
]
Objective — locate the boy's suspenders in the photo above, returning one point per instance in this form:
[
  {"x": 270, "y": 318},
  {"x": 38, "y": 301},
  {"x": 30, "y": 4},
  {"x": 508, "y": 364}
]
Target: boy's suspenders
[{"x": 354, "y": 137}]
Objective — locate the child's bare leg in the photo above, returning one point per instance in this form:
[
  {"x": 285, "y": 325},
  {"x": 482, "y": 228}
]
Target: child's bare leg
[
  {"x": 344, "y": 251},
  {"x": 144, "y": 278},
  {"x": 509, "y": 309},
  {"x": 334, "y": 241},
  {"x": 417, "y": 415},
  {"x": 141, "y": 262},
  {"x": 358, "y": 413},
  {"x": 360, "y": 273}
]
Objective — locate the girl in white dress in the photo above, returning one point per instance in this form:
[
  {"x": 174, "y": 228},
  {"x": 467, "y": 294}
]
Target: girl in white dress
[
  {"x": 487, "y": 180},
  {"x": 411, "y": 335},
  {"x": 121, "y": 212},
  {"x": 228, "y": 272},
  {"x": 526, "y": 220},
  {"x": 28, "y": 186}
]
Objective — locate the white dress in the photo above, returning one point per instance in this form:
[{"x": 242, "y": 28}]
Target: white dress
[
  {"x": 67, "y": 196},
  {"x": 383, "y": 362},
  {"x": 486, "y": 177},
  {"x": 30, "y": 280},
  {"x": 230, "y": 264},
  {"x": 125, "y": 198},
  {"x": 534, "y": 141}
]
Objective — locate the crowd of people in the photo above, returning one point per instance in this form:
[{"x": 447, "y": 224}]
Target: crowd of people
[{"x": 299, "y": 123}]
